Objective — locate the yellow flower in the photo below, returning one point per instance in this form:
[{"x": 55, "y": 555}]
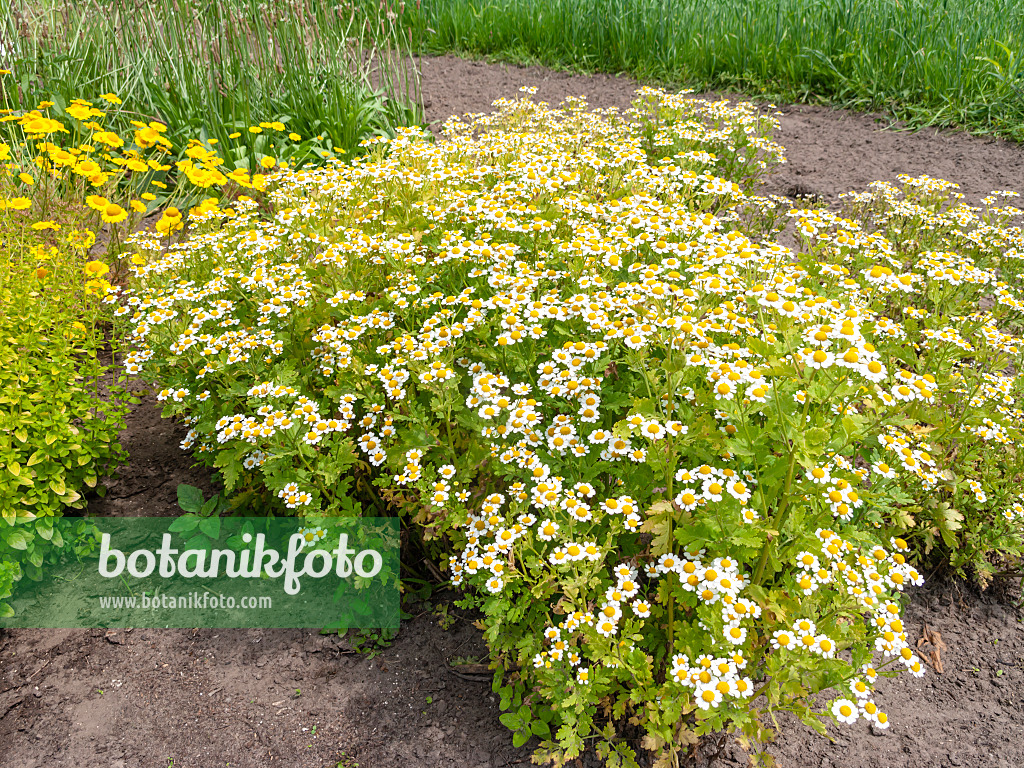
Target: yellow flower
[
  {"x": 38, "y": 124},
  {"x": 166, "y": 226},
  {"x": 114, "y": 213},
  {"x": 41, "y": 273},
  {"x": 170, "y": 221},
  {"x": 81, "y": 239},
  {"x": 87, "y": 168},
  {"x": 26, "y": 179},
  {"x": 255, "y": 129},
  {"x": 97, "y": 287},
  {"x": 150, "y": 135},
  {"x": 205, "y": 178},
  {"x": 95, "y": 269},
  {"x": 148, "y": 196},
  {"x": 15, "y": 204},
  {"x": 110, "y": 98},
  {"x": 82, "y": 111},
  {"x": 294, "y": 136},
  {"x": 61, "y": 157},
  {"x": 138, "y": 206},
  {"x": 234, "y": 135},
  {"x": 240, "y": 176},
  {"x": 268, "y": 162},
  {"x": 42, "y": 253},
  {"x": 146, "y": 137},
  {"x": 138, "y": 259},
  {"x": 109, "y": 138},
  {"x": 96, "y": 202},
  {"x": 41, "y": 225},
  {"x": 198, "y": 152}
]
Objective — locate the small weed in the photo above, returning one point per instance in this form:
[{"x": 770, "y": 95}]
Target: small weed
[{"x": 445, "y": 620}]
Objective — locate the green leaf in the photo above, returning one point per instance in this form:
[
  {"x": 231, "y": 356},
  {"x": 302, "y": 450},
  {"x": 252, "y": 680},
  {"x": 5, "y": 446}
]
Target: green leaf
[
  {"x": 949, "y": 521},
  {"x": 210, "y": 526},
  {"x": 850, "y": 427},
  {"x": 816, "y": 438},
  {"x": 184, "y": 523},
  {"x": 209, "y": 506},
  {"x": 519, "y": 738},
  {"x": 190, "y": 498},
  {"x": 18, "y": 539}
]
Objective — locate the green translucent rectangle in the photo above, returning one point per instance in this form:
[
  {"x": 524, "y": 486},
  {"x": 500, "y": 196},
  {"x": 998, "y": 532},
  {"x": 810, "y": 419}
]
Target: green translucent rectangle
[{"x": 231, "y": 572}]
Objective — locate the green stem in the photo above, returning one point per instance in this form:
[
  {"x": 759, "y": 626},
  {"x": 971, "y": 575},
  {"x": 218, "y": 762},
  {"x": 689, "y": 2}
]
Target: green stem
[
  {"x": 780, "y": 518},
  {"x": 448, "y": 430}
]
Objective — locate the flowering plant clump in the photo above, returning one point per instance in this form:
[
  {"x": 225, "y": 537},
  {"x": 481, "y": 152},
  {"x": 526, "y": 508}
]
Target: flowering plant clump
[
  {"x": 58, "y": 425},
  {"x": 687, "y": 472},
  {"x": 64, "y": 176},
  {"x": 57, "y": 153}
]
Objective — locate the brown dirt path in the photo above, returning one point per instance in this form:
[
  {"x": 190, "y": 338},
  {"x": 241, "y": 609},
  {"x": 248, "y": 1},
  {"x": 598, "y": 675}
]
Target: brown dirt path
[
  {"x": 215, "y": 698},
  {"x": 829, "y": 151}
]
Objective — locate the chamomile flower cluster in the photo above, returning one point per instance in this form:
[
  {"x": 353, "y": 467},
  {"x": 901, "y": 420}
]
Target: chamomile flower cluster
[{"x": 672, "y": 455}]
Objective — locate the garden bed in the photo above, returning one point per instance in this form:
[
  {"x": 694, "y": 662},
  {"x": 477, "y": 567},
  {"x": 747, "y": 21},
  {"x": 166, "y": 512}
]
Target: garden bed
[
  {"x": 829, "y": 151},
  {"x": 253, "y": 698}
]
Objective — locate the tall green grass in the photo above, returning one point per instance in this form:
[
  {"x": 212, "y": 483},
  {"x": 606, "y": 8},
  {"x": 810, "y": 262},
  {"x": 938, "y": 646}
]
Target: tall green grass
[
  {"x": 214, "y": 67},
  {"x": 929, "y": 61}
]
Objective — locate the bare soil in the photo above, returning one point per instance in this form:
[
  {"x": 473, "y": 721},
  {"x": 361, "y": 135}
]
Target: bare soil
[
  {"x": 258, "y": 698},
  {"x": 830, "y": 151}
]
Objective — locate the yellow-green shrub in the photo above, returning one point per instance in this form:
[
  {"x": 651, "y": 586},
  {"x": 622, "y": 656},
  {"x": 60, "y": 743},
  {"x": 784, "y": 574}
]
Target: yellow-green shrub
[
  {"x": 65, "y": 175},
  {"x": 60, "y": 413}
]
